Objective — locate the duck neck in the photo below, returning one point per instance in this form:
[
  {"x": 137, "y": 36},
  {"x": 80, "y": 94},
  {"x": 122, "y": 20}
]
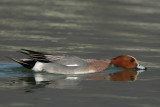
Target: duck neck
[{"x": 113, "y": 63}]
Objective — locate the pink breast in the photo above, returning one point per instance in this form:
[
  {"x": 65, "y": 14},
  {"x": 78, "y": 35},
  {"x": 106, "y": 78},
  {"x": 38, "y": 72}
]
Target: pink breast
[{"x": 97, "y": 66}]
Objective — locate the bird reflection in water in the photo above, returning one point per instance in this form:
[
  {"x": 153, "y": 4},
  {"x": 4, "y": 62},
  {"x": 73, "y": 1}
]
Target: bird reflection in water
[
  {"x": 42, "y": 79},
  {"x": 125, "y": 75}
]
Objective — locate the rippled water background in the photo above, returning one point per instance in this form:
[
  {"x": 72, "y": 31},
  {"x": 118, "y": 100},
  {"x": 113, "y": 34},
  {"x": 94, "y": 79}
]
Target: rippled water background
[{"x": 85, "y": 28}]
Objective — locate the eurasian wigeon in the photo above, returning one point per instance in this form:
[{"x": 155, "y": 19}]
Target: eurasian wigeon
[{"x": 65, "y": 64}]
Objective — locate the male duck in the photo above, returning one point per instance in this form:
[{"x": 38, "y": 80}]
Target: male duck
[{"x": 65, "y": 64}]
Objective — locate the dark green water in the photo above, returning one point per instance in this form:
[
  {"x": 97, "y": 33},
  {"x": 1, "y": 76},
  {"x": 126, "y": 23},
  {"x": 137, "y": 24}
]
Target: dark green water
[{"x": 86, "y": 28}]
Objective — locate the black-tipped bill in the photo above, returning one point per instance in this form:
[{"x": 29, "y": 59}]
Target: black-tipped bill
[{"x": 140, "y": 67}]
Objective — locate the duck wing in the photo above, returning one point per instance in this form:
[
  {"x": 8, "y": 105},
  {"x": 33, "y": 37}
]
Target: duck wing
[
  {"x": 41, "y": 56},
  {"x": 66, "y": 60}
]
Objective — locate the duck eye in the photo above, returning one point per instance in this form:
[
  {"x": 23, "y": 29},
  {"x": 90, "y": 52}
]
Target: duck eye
[{"x": 132, "y": 60}]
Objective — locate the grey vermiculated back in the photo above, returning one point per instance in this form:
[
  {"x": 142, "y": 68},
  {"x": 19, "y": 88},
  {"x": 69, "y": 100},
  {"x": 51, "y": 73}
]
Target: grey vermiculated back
[{"x": 62, "y": 69}]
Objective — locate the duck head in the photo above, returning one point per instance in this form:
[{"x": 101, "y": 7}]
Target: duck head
[{"x": 127, "y": 61}]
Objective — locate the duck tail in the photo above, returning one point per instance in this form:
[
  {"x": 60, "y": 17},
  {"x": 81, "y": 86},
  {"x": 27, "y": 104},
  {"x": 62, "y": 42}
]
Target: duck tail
[{"x": 27, "y": 63}]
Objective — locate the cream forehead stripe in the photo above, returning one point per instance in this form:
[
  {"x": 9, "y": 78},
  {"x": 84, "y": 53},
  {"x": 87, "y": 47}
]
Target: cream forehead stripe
[{"x": 133, "y": 58}]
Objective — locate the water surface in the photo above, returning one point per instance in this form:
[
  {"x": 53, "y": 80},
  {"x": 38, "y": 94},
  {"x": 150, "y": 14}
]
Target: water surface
[{"x": 86, "y": 28}]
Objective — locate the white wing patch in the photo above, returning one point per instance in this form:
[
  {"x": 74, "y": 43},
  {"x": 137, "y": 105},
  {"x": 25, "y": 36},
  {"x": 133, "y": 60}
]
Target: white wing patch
[{"x": 73, "y": 65}]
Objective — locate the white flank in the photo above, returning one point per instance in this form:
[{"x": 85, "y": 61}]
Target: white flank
[{"x": 38, "y": 66}]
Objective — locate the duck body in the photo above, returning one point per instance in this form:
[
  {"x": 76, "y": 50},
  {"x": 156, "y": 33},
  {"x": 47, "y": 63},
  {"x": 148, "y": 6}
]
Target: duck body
[{"x": 65, "y": 64}]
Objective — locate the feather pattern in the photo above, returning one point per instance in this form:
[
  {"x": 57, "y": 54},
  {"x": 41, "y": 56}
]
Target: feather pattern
[{"x": 51, "y": 58}]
